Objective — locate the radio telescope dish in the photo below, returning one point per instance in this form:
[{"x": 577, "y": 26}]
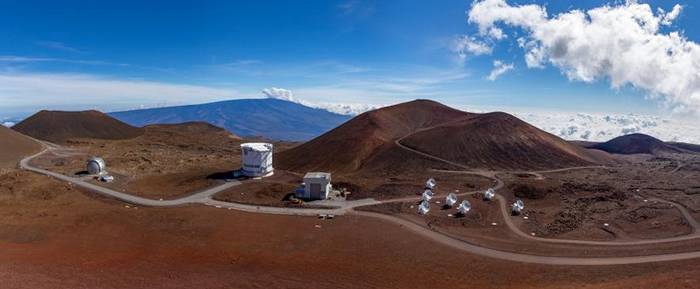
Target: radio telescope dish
[
  {"x": 518, "y": 207},
  {"x": 424, "y": 208},
  {"x": 427, "y": 195},
  {"x": 430, "y": 184},
  {"x": 489, "y": 194},
  {"x": 451, "y": 200},
  {"x": 464, "y": 207}
]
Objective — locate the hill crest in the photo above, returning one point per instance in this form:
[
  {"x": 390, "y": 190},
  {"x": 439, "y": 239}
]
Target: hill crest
[
  {"x": 60, "y": 126},
  {"x": 493, "y": 140},
  {"x": 636, "y": 143}
]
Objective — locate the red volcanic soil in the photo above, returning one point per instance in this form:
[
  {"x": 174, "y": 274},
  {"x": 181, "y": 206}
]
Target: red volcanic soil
[
  {"x": 499, "y": 141},
  {"x": 14, "y": 146},
  {"x": 636, "y": 144},
  {"x": 60, "y": 126},
  {"x": 493, "y": 140},
  {"x": 165, "y": 162},
  {"x": 347, "y": 147},
  {"x": 54, "y": 236}
]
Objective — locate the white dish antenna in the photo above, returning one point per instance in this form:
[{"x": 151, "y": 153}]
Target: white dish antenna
[
  {"x": 427, "y": 195},
  {"x": 518, "y": 207},
  {"x": 464, "y": 207},
  {"x": 451, "y": 200},
  {"x": 424, "y": 208},
  {"x": 489, "y": 194},
  {"x": 430, "y": 184}
]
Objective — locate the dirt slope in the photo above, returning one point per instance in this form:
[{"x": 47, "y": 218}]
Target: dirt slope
[
  {"x": 347, "y": 147},
  {"x": 499, "y": 141},
  {"x": 686, "y": 146},
  {"x": 60, "y": 126},
  {"x": 636, "y": 144},
  {"x": 14, "y": 146},
  {"x": 493, "y": 140}
]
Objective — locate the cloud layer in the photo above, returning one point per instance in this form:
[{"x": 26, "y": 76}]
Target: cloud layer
[
  {"x": 603, "y": 127},
  {"x": 76, "y": 91},
  {"x": 623, "y": 43},
  {"x": 339, "y": 108}
]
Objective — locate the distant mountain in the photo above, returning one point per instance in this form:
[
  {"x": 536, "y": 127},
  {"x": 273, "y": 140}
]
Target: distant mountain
[
  {"x": 60, "y": 126},
  {"x": 636, "y": 143},
  {"x": 269, "y": 118}
]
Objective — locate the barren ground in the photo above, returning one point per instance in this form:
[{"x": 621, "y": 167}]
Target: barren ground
[{"x": 53, "y": 236}]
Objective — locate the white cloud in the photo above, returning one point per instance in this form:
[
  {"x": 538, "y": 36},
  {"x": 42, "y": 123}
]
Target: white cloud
[
  {"x": 499, "y": 68},
  {"x": 669, "y": 17},
  {"x": 620, "y": 43},
  {"x": 347, "y": 108},
  {"x": 8, "y": 123},
  {"x": 335, "y": 107},
  {"x": 465, "y": 46},
  {"x": 603, "y": 127},
  {"x": 279, "y": 93},
  {"x": 81, "y": 91}
]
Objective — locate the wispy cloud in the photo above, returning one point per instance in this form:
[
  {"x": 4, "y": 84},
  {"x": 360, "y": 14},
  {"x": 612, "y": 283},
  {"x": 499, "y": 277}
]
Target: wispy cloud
[
  {"x": 82, "y": 91},
  {"x": 381, "y": 90},
  {"x": 55, "y": 45},
  {"x": 259, "y": 68},
  {"x": 499, "y": 68},
  {"x": 360, "y": 8},
  {"x": 465, "y": 46},
  {"x": 29, "y": 59}
]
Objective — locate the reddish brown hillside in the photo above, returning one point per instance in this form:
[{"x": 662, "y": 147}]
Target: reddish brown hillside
[
  {"x": 60, "y": 126},
  {"x": 347, "y": 147},
  {"x": 194, "y": 129},
  {"x": 498, "y": 141},
  {"x": 636, "y": 143},
  {"x": 368, "y": 143},
  {"x": 14, "y": 146}
]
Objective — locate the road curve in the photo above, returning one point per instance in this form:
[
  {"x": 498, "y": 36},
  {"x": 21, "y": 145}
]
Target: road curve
[
  {"x": 460, "y": 244},
  {"x": 527, "y": 258},
  {"x": 202, "y": 197},
  {"x": 515, "y": 229}
]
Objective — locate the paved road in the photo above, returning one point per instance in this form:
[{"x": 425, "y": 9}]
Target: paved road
[
  {"x": 526, "y": 258},
  {"x": 505, "y": 211},
  {"x": 202, "y": 197}
]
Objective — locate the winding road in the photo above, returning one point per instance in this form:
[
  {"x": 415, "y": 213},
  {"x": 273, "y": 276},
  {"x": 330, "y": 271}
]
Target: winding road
[
  {"x": 203, "y": 197},
  {"x": 346, "y": 207}
]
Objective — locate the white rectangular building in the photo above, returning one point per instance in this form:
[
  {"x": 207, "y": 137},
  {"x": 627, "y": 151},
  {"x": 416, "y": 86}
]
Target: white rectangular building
[
  {"x": 317, "y": 186},
  {"x": 256, "y": 159}
]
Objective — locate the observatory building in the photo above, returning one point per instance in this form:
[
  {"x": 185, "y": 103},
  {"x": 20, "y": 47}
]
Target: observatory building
[
  {"x": 96, "y": 166},
  {"x": 317, "y": 186},
  {"x": 256, "y": 159}
]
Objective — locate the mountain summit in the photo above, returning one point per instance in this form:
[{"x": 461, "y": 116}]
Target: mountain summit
[{"x": 269, "y": 118}]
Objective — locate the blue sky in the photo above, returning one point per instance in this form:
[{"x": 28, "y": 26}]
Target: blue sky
[{"x": 129, "y": 54}]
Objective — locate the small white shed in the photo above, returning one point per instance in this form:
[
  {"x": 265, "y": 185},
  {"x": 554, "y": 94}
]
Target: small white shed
[
  {"x": 256, "y": 159},
  {"x": 317, "y": 185}
]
